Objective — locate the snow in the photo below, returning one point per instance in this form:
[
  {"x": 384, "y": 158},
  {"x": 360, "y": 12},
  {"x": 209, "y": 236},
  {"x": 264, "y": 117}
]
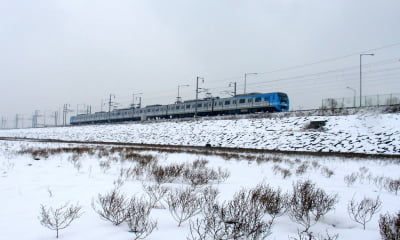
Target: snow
[
  {"x": 27, "y": 183},
  {"x": 369, "y": 132}
]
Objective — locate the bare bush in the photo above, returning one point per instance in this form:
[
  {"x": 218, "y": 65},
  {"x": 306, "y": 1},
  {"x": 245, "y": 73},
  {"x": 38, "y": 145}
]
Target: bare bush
[
  {"x": 389, "y": 226},
  {"x": 244, "y": 217},
  {"x": 380, "y": 182},
  {"x": 59, "y": 218},
  {"x": 112, "y": 206},
  {"x": 273, "y": 201},
  {"x": 311, "y": 236},
  {"x": 362, "y": 212},
  {"x": 239, "y": 218},
  {"x": 283, "y": 171},
  {"x": 169, "y": 173},
  {"x": 199, "y": 163},
  {"x": 105, "y": 165},
  {"x": 196, "y": 174},
  {"x": 350, "y": 179},
  {"x": 302, "y": 169},
  {"x": 156, "y": 193},
  {"x": 308, "y": 204},
  {"x": 327, "y": 172},
  {"x": 315, "y": 164},
  {"x": 208, "y": 196},
  {"x": 392, "y": 185},
  {"x": 138, "y": 218},
  {"x": 183, "y": 204}
]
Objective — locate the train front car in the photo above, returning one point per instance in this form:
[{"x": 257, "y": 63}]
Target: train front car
[
  {"x": 283, "y": 102},
  {"x": 270, "y": 102}
]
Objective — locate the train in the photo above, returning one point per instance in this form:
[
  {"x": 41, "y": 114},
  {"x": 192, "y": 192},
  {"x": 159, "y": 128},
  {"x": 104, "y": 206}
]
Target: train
[{"x": 239, "y": 104}]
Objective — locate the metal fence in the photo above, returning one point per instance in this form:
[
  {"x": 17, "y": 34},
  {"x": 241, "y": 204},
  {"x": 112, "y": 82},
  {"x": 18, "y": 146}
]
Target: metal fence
[{"x": 367, "y": 101}]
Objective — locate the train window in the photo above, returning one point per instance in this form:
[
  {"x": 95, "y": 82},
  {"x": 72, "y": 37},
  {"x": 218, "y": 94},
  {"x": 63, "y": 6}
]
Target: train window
[
  {"x": 227, "y": 102},
  {"x": 234, "y": 102},
  {"x": 257, "y": 99},
  {"x": 177, "y": 107},
  {"x": 199, "y": 105},
  {"x": 187, "y": 106},
  {"x": 220, "y": 103},
  {"x": 242, "y": 100}
]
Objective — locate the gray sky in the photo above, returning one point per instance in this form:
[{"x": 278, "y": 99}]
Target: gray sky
[{"x": 54, "y": 52}]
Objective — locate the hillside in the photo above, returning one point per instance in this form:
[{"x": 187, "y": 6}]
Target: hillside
[{"x": 373, "y": 133}]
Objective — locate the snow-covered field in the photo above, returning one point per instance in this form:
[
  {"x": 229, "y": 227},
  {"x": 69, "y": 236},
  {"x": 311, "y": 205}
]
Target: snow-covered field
[
  {"x": 368, "y": 132},
  {"x": 27, "y": 183}
]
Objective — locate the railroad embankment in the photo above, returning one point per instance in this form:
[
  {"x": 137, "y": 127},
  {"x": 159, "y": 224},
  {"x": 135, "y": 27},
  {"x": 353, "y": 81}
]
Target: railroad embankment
[{"x": 366, "y": 132}]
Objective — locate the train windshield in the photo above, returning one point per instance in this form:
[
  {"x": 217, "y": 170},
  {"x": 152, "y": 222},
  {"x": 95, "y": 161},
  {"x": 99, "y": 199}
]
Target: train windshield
[{"x": 283, "y": 97}]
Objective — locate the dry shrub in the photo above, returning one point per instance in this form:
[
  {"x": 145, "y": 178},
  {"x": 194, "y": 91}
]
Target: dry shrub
[
  {"x": 327, "y": 172},
  {"x": 156, "y": 193},
  {"x": 362, "y": 212},
  {"x": 59, "y": 218},
  {"x": 302, "y": 169},
  {"x": 239, "y": 218},
  {"x": 195, "y": 174},
  {"x": 112, "y": 207},
  {"x": 389, "y": 226},
  {"x": 105, "y": 165},
  {"x": 138, "y": 219},
  {"x": 283, "y": 171},
  {"x": 169, "y": 173},
  {"x": 350, "y": 179},
  {"x": 312, "y": 236},
  {"x": 183, "y": 203},
  {"x": 392, "y": 185},
  {"x": 273, "y": 201},
  {"x": 308, "y": 204}
]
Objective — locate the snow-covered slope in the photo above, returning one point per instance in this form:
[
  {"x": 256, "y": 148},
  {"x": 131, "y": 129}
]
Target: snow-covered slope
[{"x": 362, "y": 133}]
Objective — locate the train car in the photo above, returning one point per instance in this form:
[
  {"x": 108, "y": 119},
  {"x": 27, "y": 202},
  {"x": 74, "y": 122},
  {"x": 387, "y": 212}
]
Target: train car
[{"x": 239, "y": 104}]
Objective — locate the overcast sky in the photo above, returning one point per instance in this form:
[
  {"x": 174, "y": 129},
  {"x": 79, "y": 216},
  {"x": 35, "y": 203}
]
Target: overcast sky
[{"x": 54, "y": 52}]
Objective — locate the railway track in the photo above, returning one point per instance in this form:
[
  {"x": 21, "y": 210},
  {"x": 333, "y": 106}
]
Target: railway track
[{"x": 208, "y": 150}]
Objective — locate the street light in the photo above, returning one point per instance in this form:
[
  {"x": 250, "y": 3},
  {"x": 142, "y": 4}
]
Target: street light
[
  {"x": 245, "y": 80},
  {"x": 354, "y": 98},
  {"x": 197, "y": 93},
  {"x": 362, "y": 54},
  {"x": 178, "y": 98}
]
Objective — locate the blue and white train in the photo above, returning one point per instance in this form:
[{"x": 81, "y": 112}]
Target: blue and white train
[{"x": 239, "y": 104}]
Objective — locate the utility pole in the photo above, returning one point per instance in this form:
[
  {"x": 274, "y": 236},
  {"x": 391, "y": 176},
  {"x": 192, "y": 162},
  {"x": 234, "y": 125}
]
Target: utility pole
[
  {"x": 178, "y": 98},
  {"x": 245, "y": 80},
  {"x": 17, "y": 119},
  {"x": 35, "y": 118},
  {"x": 77, "y": 107},
  {"x": 197, "y": 93},
  {"x": 363, "y": 54},
  {"x": 55, "y": 116},
  {"x": 3, "y": 122},
  {"x": 102, "y": 104},
  {"x": 133, "y": 99},
  {"x": 109, "y": 107},
  {"x": 234, "y": 88},
  {"x": 66, "y": 110}
]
